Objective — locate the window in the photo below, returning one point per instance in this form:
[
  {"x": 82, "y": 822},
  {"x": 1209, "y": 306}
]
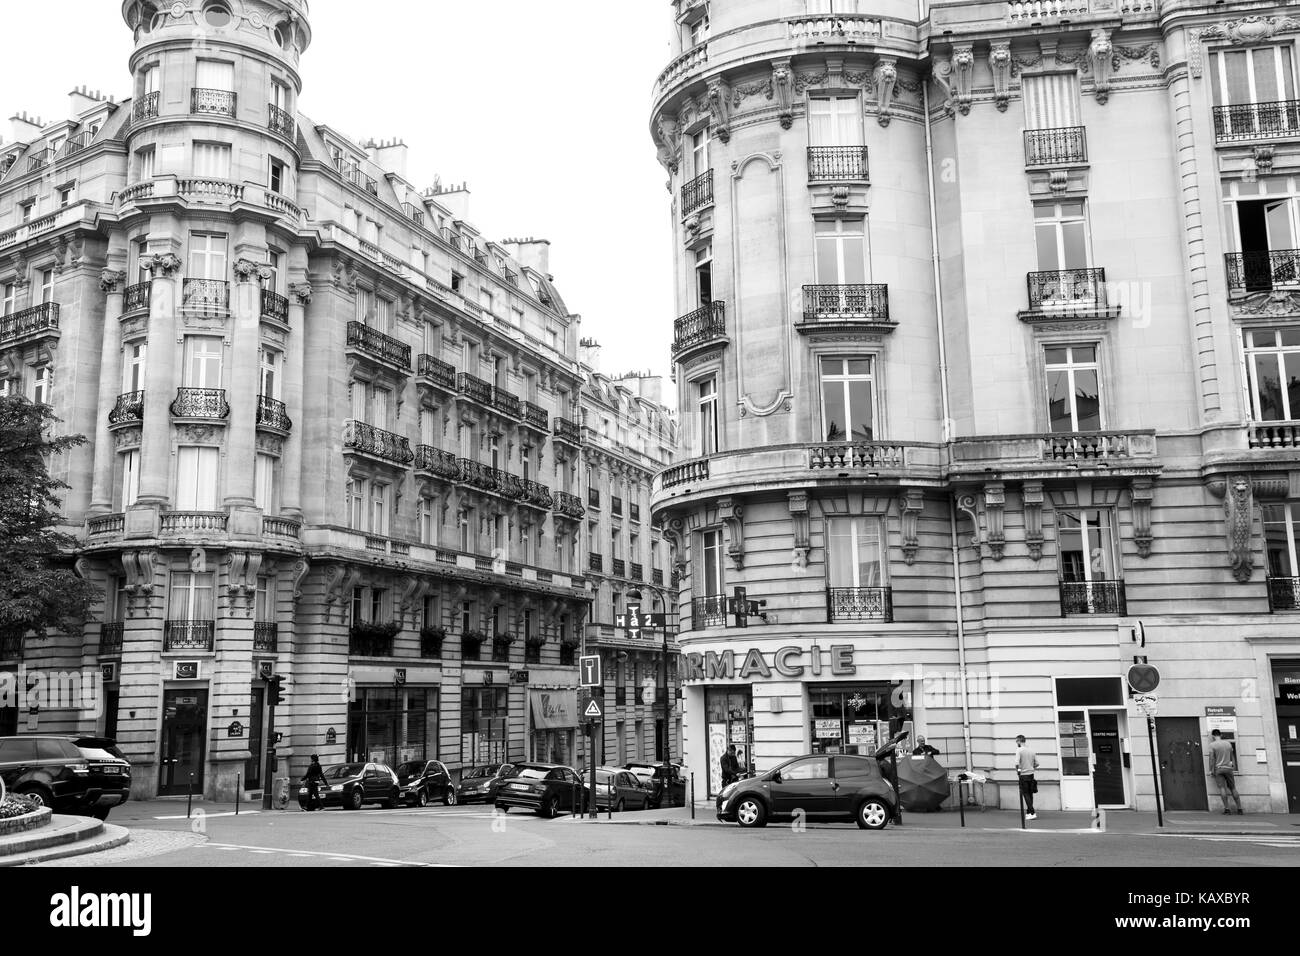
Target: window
[
  {"x": 427, "y": 518},
  {"x": 383, "y": 314},
  {"x": 150, "y": 77},
  {"x": 466, "y": 524},
  {"x": 1087, "y": 546},
  {"x": 379, "y": 404},
  {"x": 810, "y": 768},
  {"x": 196, "y": 478},
  {"x": 498, "y": 533},
  {"x": 466, "y": 616},
  {"x": 207, "y": 257},
  {"x": 8, "y": 298},
  {"x": 146, "y": 157},
  {"x": 841, "y": 251},
  {"x": 216, "y": 15},
  {"x": 365, "y": 302},
  {"x": 378, "y": 604},
  {"x": 1061, "y": 232},
  {"x": 855, "y": 552},
  {"x": 457, "y": 281},
  {"x": 1073, "y": 388},
  {"x": 67, "y": 196},
  {"x": 275, "y": 262},
  {"x": 26, "y": 209},
  {"x": 707, "y": 405},
  {"x": 46, "y": 290},
  {"x": 1273, "y": 373},
  {"x": 1253, "y": 75},
  {"x": 214, "y": 75},
  {"x": 42, "y": 385},
  {"x": 430, "y": 617},
  {"x": 711, "y": 565},
  {"x": 834, "y": 121},
  {"x": 354, "y": 504},
  {"x": 191, "y": 597},
  {"x": 263, "y": 606},
  {"x": 486, "y": 300},
  {"x": 202, "y": 361},
  {"x": 212, "y": 160},
  {"x": 130, "y": 478},
  {"x": 139, "y": 250},
  {"x": 1051, "y": 101},
  {"x": 848, "y": 402},
  {"x": 704, "y": 274},
  {"x": 1281, "y": 533},
  {"x": 517, "y": 317},
  {"x": 264, "y": 483},
  {"x": 483, "y": 715},
  {"x": 699, "y": 31},
  {"x": 279, "y": 95},
  {"x": 268, "y": 372},
  {"x": 700, "y": 152},
  {"x": 133, "y": 368},
  {"x": 378, "y": 508},
  {"x": 279, "y": 178}
]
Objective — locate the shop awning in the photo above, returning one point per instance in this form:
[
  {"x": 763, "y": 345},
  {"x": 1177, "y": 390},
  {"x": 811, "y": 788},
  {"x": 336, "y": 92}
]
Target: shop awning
[{"x": 554, "y": 708}]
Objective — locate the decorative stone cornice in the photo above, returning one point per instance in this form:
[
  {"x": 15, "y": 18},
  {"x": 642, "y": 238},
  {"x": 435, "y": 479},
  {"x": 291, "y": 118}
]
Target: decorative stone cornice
[
  {"x": 912, "y": 503},
  {"x": 885, "y": 78},
  {"x": 167, "y": 264},
  {"x": 1031, "y": 496},
  {"x": 246, "y": 270},
  {"x": 110, "y": 279},
  {"x": 1000, "y": 65},
  {"x": 302, "y": 292},
  {"x": 963, "y": 66}
]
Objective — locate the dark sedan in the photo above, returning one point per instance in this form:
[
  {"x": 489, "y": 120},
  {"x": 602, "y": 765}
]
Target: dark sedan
[
  {"x": 481, "y": 783},
  {"x": 423, "y": 781},
  {"x": 666, "y": 782},
  {"x": 544, "y": 788},
  {"x": 620, "y": 790},
  {"x": 815, "y": 787},
  {"x": 352, "y": 785}
]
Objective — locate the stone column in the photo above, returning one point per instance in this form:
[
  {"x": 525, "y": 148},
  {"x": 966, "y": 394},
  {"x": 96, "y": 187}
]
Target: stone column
[
  {"x": 161, "y": 378},
  {"x": 110, "y": 382},
  {"x": 241, "y": 438},
  {"x": 291, "y": 464}
]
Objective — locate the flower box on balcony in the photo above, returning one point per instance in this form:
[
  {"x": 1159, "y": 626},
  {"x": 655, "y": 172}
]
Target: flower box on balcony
[
  {"x": 370, "y": 639},
  {"x": 431, "y": 639}
]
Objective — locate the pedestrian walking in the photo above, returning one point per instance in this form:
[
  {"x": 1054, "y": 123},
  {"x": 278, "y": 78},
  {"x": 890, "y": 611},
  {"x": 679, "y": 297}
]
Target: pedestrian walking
[
  {"x": 314, "y": 779},
  {"x": 1026, "y": 764},
  {"x": 730, "y": 766},
  {"x": 1223, "y": 770}
]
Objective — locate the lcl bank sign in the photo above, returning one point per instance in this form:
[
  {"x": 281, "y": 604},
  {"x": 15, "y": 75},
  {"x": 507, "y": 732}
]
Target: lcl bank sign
[{"x": 814, "y": 661}]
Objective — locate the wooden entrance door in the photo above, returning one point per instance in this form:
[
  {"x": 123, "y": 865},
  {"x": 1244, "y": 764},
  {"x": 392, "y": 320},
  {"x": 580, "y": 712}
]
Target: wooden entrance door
[{"x": 1182, "y": 765}]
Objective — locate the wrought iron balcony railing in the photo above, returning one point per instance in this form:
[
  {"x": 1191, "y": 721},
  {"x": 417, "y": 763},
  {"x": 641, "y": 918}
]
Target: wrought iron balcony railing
[
  {"x": 536, "y": 417},
  {"x": 110, "y": 638},
  {"x": 146, "y": 107},
  {"x": 411, "y": 212},
  {"x": 128, "y": 408},
  {"x": 200, "y": 403},
  {"x": 846, "y": 303},
  {"x": 376, "y": 343},
  {"x": 569, "y": 506},
  {"x": 436, "y": 461},
  {"x": 76, "y": 144},
  {"x": 265, "y": 636},
  {"x": 859, "y": 604},
  {"x": 353, "y": 174},
  {"x": 208, "y": 296},
  {"x": 618, "y": 567},
  {"x": 1284, "y": 594},
  {"x": 709, "y": 611},
  {"x": 638, "y": 572},
  {"x": 1067, "y": 290},
  {"x": 477, "y": 475},
  {"x": 698, "y": 193},
  {"x": 213, "y": 102},
  {"x": 271, "y": 413},
  {"x": 1245, "y": 121},
  {"x": 136, "y": 298},
  {"x": 275, "y": 306},
  {"x": 1052, "y": 147},
  {"x": 837, "y": 164},
  {"x": 697, "y": 470},
  {"x": 37, "y": 320},
  {"x": 535, "y": 493},
  {"x": 280, "y": 121},
  {"x": 703, "y": 325},
  {"x": 595, "y": 561},
  {"x": 438, "y": 372},
  {"x": 188, "y": 635},
  {"x": 474, "y": 388},
  {"x": 375, "y": 441},
  {"x": 657, "y": 576},
  {"x": 1263, "y": 270},
  {"x": 1093, "y": 597},
  {"x": 506, "y": 403},
  {"x": 566, "y": 430}
]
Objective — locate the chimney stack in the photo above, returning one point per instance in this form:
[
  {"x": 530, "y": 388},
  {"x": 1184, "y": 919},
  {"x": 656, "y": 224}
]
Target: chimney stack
[
  {"x": 24, "y": 128},
  {"x": 533, "y": 253},
  {"x": 389, "y": 155},
  {"x": 589, "y": 353}
]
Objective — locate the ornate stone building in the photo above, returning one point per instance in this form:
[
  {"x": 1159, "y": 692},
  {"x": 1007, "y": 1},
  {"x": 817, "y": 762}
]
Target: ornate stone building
[
  {"x": 988, "y": 363},
  {"x": 335, "y": 432}
]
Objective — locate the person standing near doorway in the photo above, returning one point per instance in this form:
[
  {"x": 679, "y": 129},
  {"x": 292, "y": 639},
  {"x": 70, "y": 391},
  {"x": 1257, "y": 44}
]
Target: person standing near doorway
[
  {"x": 1223, "y": 770},
  {"x": 1026, "y": 764},
  {"x": 730, "y": 766}
]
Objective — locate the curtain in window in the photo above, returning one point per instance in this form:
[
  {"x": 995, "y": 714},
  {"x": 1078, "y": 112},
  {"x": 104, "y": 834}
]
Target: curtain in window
[
  {"x": 1051, "y": 101},
  {"x": 196, "y": 479},
  {"x": 215, "y": 76},
  {"x": 854, "y": 553}
]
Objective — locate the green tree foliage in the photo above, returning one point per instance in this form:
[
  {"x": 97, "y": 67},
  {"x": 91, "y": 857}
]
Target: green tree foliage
[{"x": 38, "y": 588}]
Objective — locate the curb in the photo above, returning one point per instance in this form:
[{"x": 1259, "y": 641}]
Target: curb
[{"x": 111, "y": 837}]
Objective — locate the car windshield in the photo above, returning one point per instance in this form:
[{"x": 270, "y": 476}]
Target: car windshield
[
  {"x": 339, "y": 771},
  {"x": 410, "y": 769},
  {"x": 603, "y": 776},
  {"x": 94, "y": 753},
  {"x": 531, "y": 773},
  {"x": 102, "y": 743}
]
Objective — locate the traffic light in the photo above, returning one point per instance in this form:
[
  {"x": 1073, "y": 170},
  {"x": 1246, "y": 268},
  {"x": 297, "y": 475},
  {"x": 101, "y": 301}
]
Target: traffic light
[{"x": 275, "y": 684}]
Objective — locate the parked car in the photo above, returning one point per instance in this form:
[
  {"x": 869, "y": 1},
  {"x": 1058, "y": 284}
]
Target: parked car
[
  {"x": 352, "y": 785},
  {"x": 663, "y": 779},
  {"x": 109, "y": 770},
  {"x": 621, "y": 790},
  {"x": 56, "y": 773},
  {"x": 424, "y": 780},
  {"x": 544, "y": 788},
  {"x": 821, "y": 786},
  {"x": 481, "y": 783}
]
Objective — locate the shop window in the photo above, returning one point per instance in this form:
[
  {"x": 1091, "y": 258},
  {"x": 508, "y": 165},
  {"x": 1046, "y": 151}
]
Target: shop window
[
  {"x": 483, "y": 715},
  {"x": 857, "y": 718},
  {"x": 392, "y": 726}
]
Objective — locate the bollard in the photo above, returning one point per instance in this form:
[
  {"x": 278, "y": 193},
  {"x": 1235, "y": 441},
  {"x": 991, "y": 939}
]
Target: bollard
[
  {"x": 189, "y": 797},
  {"x": 898, "y": 803},
  {"x": 961, "y": 797},
  {"x": 573, "y": 801},
  {"x": 239, "y": 785},
  {"x": 1020, "y": 794},
  {"x": 692, "y": 795},
  {"x": 609, "y": 807}
]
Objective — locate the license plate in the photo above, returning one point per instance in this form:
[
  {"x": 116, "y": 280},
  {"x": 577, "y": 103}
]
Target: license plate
[{"x": 519, "y": 786}]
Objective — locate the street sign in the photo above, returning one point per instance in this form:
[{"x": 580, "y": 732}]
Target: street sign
[
  {"x": 631, "y": 621},
  {"x": 1147, "y": 704},
  {"x": 589, "y": 671},
  {"x": 593, "y": 710},
  {"x": 1143, "y": 678}
]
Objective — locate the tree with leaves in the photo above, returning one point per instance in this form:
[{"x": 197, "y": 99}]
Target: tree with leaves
[{"x": 39, "y": 590}]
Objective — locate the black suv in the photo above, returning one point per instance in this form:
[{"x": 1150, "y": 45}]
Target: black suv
[{"x": 66, "y": 774}]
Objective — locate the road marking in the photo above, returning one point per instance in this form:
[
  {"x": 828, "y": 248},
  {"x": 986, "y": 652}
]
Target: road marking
[
  {"x": 208, "y": 816},
  {"x": 336, "y": 857},
  {"x": 1284, "y": 842}
]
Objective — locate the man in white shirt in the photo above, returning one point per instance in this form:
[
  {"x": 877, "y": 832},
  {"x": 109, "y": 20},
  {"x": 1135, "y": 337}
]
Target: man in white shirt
[{"x": 1026, "y": 764}]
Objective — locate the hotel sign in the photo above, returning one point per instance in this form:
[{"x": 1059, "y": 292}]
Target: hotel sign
[{"x": 838, "y": 660}]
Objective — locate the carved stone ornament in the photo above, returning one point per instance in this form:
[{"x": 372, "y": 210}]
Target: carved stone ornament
[
  {"x": 138, "y": 568},
  {"x": 1000, "y": 64},
  {"x": 674, "y": 532},
  {"x": 167, "y": 264},
  {"x": 912, "y": 503},
  {"x": 1100, "y": 55},
  {"x": 127, "y": 437},
  {"x": 970, "y": 504},
  {"x": 731, "y": 513},
  {"x": 241, "y": 578},
  {"x": 669, "y": 144},
  {"x": 110, "y": 279},
  {"x": 1058, "y": 181},
  {"x": 196, "y": 434},
  {"x": 339, "y": 582},
  {"x": 1031, "y": 496},
  {"x": 300, "y": 569},
  {"x": 798, "y": 503},
  {"x": 963, "y": 68},
  {"x": 941, "y": 73},
  {"x": 1238, "y": 503},
  {"x": 1272, "y": 302},
  {"x": 840, "y": 196},
  {"x": 1141, "y": 494},
  {"x": 1252, "y": 29},
  {"x": 719, "y": 97},
  {"x": 885, "y": 77},
  {"x": 246, "y": 270},
  {"x": 692, "y": 226},
  {"x": 1263, "y": 156},
  {"x": 995, "y": 499},
  {"x": 301, "y": 291},
  {"x": 782, "y": 83}
]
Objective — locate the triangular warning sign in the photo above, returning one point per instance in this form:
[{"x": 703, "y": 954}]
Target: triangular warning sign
[{"x": 593, "y": 710}]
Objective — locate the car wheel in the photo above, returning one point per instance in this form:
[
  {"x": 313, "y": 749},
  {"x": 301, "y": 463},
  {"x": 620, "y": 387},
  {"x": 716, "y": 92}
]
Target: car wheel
[
  {"x": 390, "y": 803},
  {"x": 39, "y": 795},
  {"x": 449, "y": 798},
  {"x": 873, "y": 814},
  {"x": 751, "y": 812},
  {"x": 550, "y": 807},
  {"x": 422, "y": 800},
  {"x": 355, "y": 799},
  {"x": 620, "y": 807},
  {"x": 100, "y": 813}
]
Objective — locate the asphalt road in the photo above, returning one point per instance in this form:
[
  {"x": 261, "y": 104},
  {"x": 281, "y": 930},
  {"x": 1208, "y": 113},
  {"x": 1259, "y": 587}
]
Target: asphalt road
[{"x": 476, "y": 836}]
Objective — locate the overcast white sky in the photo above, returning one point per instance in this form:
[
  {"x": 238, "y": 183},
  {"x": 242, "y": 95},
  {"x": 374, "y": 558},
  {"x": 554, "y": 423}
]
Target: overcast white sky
[{"x": 541, "y": 107}]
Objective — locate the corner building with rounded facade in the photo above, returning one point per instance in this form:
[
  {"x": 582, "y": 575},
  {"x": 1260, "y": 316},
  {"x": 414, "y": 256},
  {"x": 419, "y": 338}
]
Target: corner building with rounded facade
[{"x": 986, "y": 352}]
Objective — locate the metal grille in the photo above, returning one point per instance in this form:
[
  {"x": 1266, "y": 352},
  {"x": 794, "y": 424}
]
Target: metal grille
[
  {"x": 837, "y": 163},
  {"x": 377, "y": 442},
  {"x": 566, "y": 430},
  {"x": 1284, "y": 594},
  {"x": 210, "y": 296},
  {"x": 437, "y": 371},
  {"x": 275, "y": 306},
  {"x": 146, "y": 107},
  {"x": 110, "y": 638},
  {"x": 859, "y": 604},
  {"x": 280, "y": 121},
  {"x": 709, "y": 611},
  {"x": 129, "y": 408},
  {"x": 265, "y": 636},
  {"x": 1093, "y": 597},
  {"x": 1067, "y": 290},
  {"x": 271, "y": 412},
  {"x": 474, "y": 387},
  {"x": 136, "y": 298},
  {"x": 188, "y": 635},
  {"x": 436, "y": 461},
  {"x": 570, "y": 506},
  {"x": 376, "y": 343},
  {"x": 212, "y": 102},
  {"x": 702, "y": 325},
  {"x": 1263, "y": 270},
  {"x": 200, "y": 403},
  {"x": 698, "y": 192},
  {"x": 39, "y": 318},
  {"x": 846, "y": 302},
  {"x": 1047, "y": 147},
  {"x": 1257, "y": 120}
]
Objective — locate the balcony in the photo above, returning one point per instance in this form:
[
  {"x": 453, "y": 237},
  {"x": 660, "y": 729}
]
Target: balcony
[
  {"x": 378, "y": 345},
  {"x": 106, "y": 524},
  {"x": 616, "y": 506},
  {"x": 536, "y": 417},
  {"x": 698, "y": 193},
  {"x": 697, "y": 470},
  {"x": 506, "y": 403},
  {"x": 137, "y": 298},
  {"x": 413, "y": 213},
  {"x": 281, "y": 121},
  {"x": 1247, "y": 121},
  {"x": 275, "y": 306},
  {"x": 206, "y": 296},
  {"x": 265, "y": 637},
  {"x": 1273, "y": 434},
  {"x": 593, "y": 497},
  {"x": 353, "y": 174},
  {"x": 1093, "y": 597},
  {"x": 76, "y": 144},
  {"x": 568, "y": 506},
  {"x": 438, "y": 372},
  {"x": 595, "y": 562},
  {"x": 853, "y": 455},
  {"x": 567, "y": 431},
  {"x": 1284, "y": 594},
  {"x": 477, "y": 475},
  {"x": 535, "y": 493},
  {"x": 474, "y": 388},
  {"x": 1063, "y": 146},
  {"x": 212, "y": 102},
  {"x": 618, "y": 567},
  {"x": 38, "y": 322},
  {"x": 859, "y": 604},
  {"x": 271, "y": 413},
  {"x": 189, "y": 523},
  {"x": 638, "y": 572},
  {"x": 1067, "y": 293},
  {"x": 845, "y": 306},
  {"x": 709, "y": 611},
  {"x": 1263, "y": 270},
  {"x": 366, "y": 639},
  {"x": 377, "y": 443},
  {"x": 1060, "y": 454},
  {"x": 128, "y": 410},
  {"x": 188, "y": 635},
  {"x": 501, "y": 650},
  {"x": 701, "y": 327},
  {"x": 110, "y": 638},
  {"x": 834, "y": 164},
  {"x": 205, "y": 403},
  {"x": 146, "y": 107},
  {"x": 657, "y": 576},
  {"x": 280, "y": 528},
  {"x": 436, "y": 462},
  {"x": 219, "y": 192}
]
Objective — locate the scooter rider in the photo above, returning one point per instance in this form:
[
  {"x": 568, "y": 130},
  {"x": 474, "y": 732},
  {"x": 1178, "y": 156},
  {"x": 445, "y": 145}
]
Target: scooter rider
[{"x": 314, "y": 779}]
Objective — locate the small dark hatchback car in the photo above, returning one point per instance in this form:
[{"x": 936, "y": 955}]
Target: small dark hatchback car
[{"x": 818, "y": 786}]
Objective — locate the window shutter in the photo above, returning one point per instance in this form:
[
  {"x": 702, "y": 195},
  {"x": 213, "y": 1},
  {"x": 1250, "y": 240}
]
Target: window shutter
[
  {"x": 216, "y": 76},
  {"x": 1051, "y": 101},
  {"x": 187, "y": 464}
]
